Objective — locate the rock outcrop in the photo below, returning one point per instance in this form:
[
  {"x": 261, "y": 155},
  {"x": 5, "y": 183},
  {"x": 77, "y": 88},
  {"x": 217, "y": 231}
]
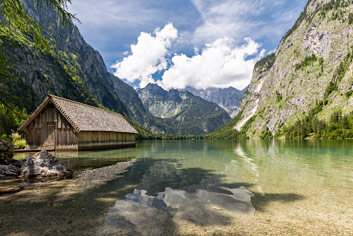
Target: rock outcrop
[
  {"x": 317, "y": 42},
  {"x": 6, "y": 152},
  {"x": 312, "y": 65},
  {"x": 9, "y": 171},
  {"x": 44, "y": 165}
]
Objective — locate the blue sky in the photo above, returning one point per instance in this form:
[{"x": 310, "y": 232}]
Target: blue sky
[{"x": 178, "y": 43}]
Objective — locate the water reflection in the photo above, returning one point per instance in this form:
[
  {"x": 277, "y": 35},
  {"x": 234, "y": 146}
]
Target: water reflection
[
  {"x": 168, "y": 195},
  {"x": 81, "y": 160},
  {"x": 239, "y": 151},
  {"x": 195, "y": 188}
]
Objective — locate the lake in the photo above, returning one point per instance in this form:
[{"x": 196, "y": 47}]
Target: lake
[{"x": 192, "y": 188}]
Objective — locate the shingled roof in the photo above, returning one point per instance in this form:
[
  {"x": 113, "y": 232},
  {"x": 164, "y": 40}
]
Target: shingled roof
[{"x": 84, "y": 117}]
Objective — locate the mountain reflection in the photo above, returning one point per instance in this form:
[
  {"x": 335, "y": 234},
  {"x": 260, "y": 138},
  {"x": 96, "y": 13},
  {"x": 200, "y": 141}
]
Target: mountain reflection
[{"x": 169, "y": 195}]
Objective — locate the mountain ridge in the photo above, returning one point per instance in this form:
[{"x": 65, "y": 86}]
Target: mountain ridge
[
  {"x": 310, "y": 73},
  {"x": 227, "y": 98},
  {"x": 183, "y": 106}
]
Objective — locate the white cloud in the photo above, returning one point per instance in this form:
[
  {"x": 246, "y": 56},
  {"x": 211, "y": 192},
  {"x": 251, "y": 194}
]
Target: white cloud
[
  {"x": 148, "y": 56},
  {"x": 221, "y": 64},
  {"x": 224, "y": 18},
  {"x": 238, "y": 19}
]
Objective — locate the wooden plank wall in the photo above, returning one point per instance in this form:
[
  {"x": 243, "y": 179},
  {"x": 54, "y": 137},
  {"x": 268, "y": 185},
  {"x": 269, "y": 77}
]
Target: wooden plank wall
[
  {"x": 96, "y": 140},
  {"x": 50, "y": 130},
  {"x": 66, "y": 138}
]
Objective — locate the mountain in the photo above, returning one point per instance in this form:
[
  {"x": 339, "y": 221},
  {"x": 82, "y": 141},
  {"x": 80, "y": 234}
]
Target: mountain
[
  {"x": 71, "y": 68},
  {"x": 227, "y": 98},
  {"x": 74, "y": 70},
  {"x": 159, "y": 102},
  {"x": 307, "y": 80},
  {"x": 183, "y": 106}
]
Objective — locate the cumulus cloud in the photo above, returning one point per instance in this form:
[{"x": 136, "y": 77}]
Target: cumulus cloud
[
  {"x": 220, "y": 64},
  {"x": 147, "y": 56}
]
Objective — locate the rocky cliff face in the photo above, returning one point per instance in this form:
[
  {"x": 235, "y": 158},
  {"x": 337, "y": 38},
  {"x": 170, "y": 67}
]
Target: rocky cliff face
[
  {"x": 159, "y": 102},
  {"x": 71, "y": 68},
  {"x": 312, "y": 68},
  {"x": 182, "y": 106},
  {"x": 228, "y": 98}
]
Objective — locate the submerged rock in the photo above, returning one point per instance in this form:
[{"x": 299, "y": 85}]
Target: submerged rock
[
  {"x": 89, "y": 179},
  {"x": 43, "y": 164},
  {"x": 204, "y": 204}
]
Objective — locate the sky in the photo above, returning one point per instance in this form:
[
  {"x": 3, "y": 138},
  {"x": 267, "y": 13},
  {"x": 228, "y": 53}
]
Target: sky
[{"x": 179, "y": 43}]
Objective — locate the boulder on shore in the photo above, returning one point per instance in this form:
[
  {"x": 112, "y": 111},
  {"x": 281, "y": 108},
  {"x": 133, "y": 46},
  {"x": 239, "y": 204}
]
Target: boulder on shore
[
  {"x": 6, "y": 152},
  {"x": 9, "y": 171},
  {"x": 44, "y": 165}
]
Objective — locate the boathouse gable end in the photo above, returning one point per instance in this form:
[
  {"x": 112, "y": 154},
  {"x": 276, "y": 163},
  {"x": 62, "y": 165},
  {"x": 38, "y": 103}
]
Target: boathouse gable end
[{"x": 62, "y": 124}]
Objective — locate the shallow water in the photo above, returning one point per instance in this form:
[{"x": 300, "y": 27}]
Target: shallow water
[{"x": 194, "y": 188}]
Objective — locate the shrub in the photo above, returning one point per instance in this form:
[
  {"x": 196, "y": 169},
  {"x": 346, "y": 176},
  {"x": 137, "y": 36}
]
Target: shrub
[
  {"x": 278, "y": 97},
  {"x": 20, "y": 144},
  {"x": 15, "y": 137}
]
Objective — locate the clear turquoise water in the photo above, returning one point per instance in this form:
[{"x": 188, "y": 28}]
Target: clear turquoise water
[{"x": 197, "y": 188}]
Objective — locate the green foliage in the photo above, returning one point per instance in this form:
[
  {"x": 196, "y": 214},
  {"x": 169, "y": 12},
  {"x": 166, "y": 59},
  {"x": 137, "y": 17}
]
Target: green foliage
[
  {"x": 266, "y": 134},
  {"x": 10, "y": 119},
  {"x": 17, "y": 25},
  {"x": 20, "y": 144},
  {"x": 332, "y": 86},
  {"x": 278, "y": 96},
  {"x": 303, "y": 127},
  {"x": 246, "y": 127},
  {"x": 308, "y": 60},
  {"x": 339, "y": 74},
  {"x": 321, "y": 62},
  {"x": 17, "y": 28},
  {"x": 226, "y": 131},
  {"x": 266, "y": 63},
  {"x": 74, "y": 72},
  {"x": 349, "y": 93},
  {"x": 16, "y": 137},
  {"x": 5, "y": 137},
  {"x": 350, "y": 18},
  {"x": 339, "y": 126},
  {"x": 336, "y": 6}
]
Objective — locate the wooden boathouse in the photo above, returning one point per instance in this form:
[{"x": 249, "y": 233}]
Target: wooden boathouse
[{"x": 62, "y": 124}]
